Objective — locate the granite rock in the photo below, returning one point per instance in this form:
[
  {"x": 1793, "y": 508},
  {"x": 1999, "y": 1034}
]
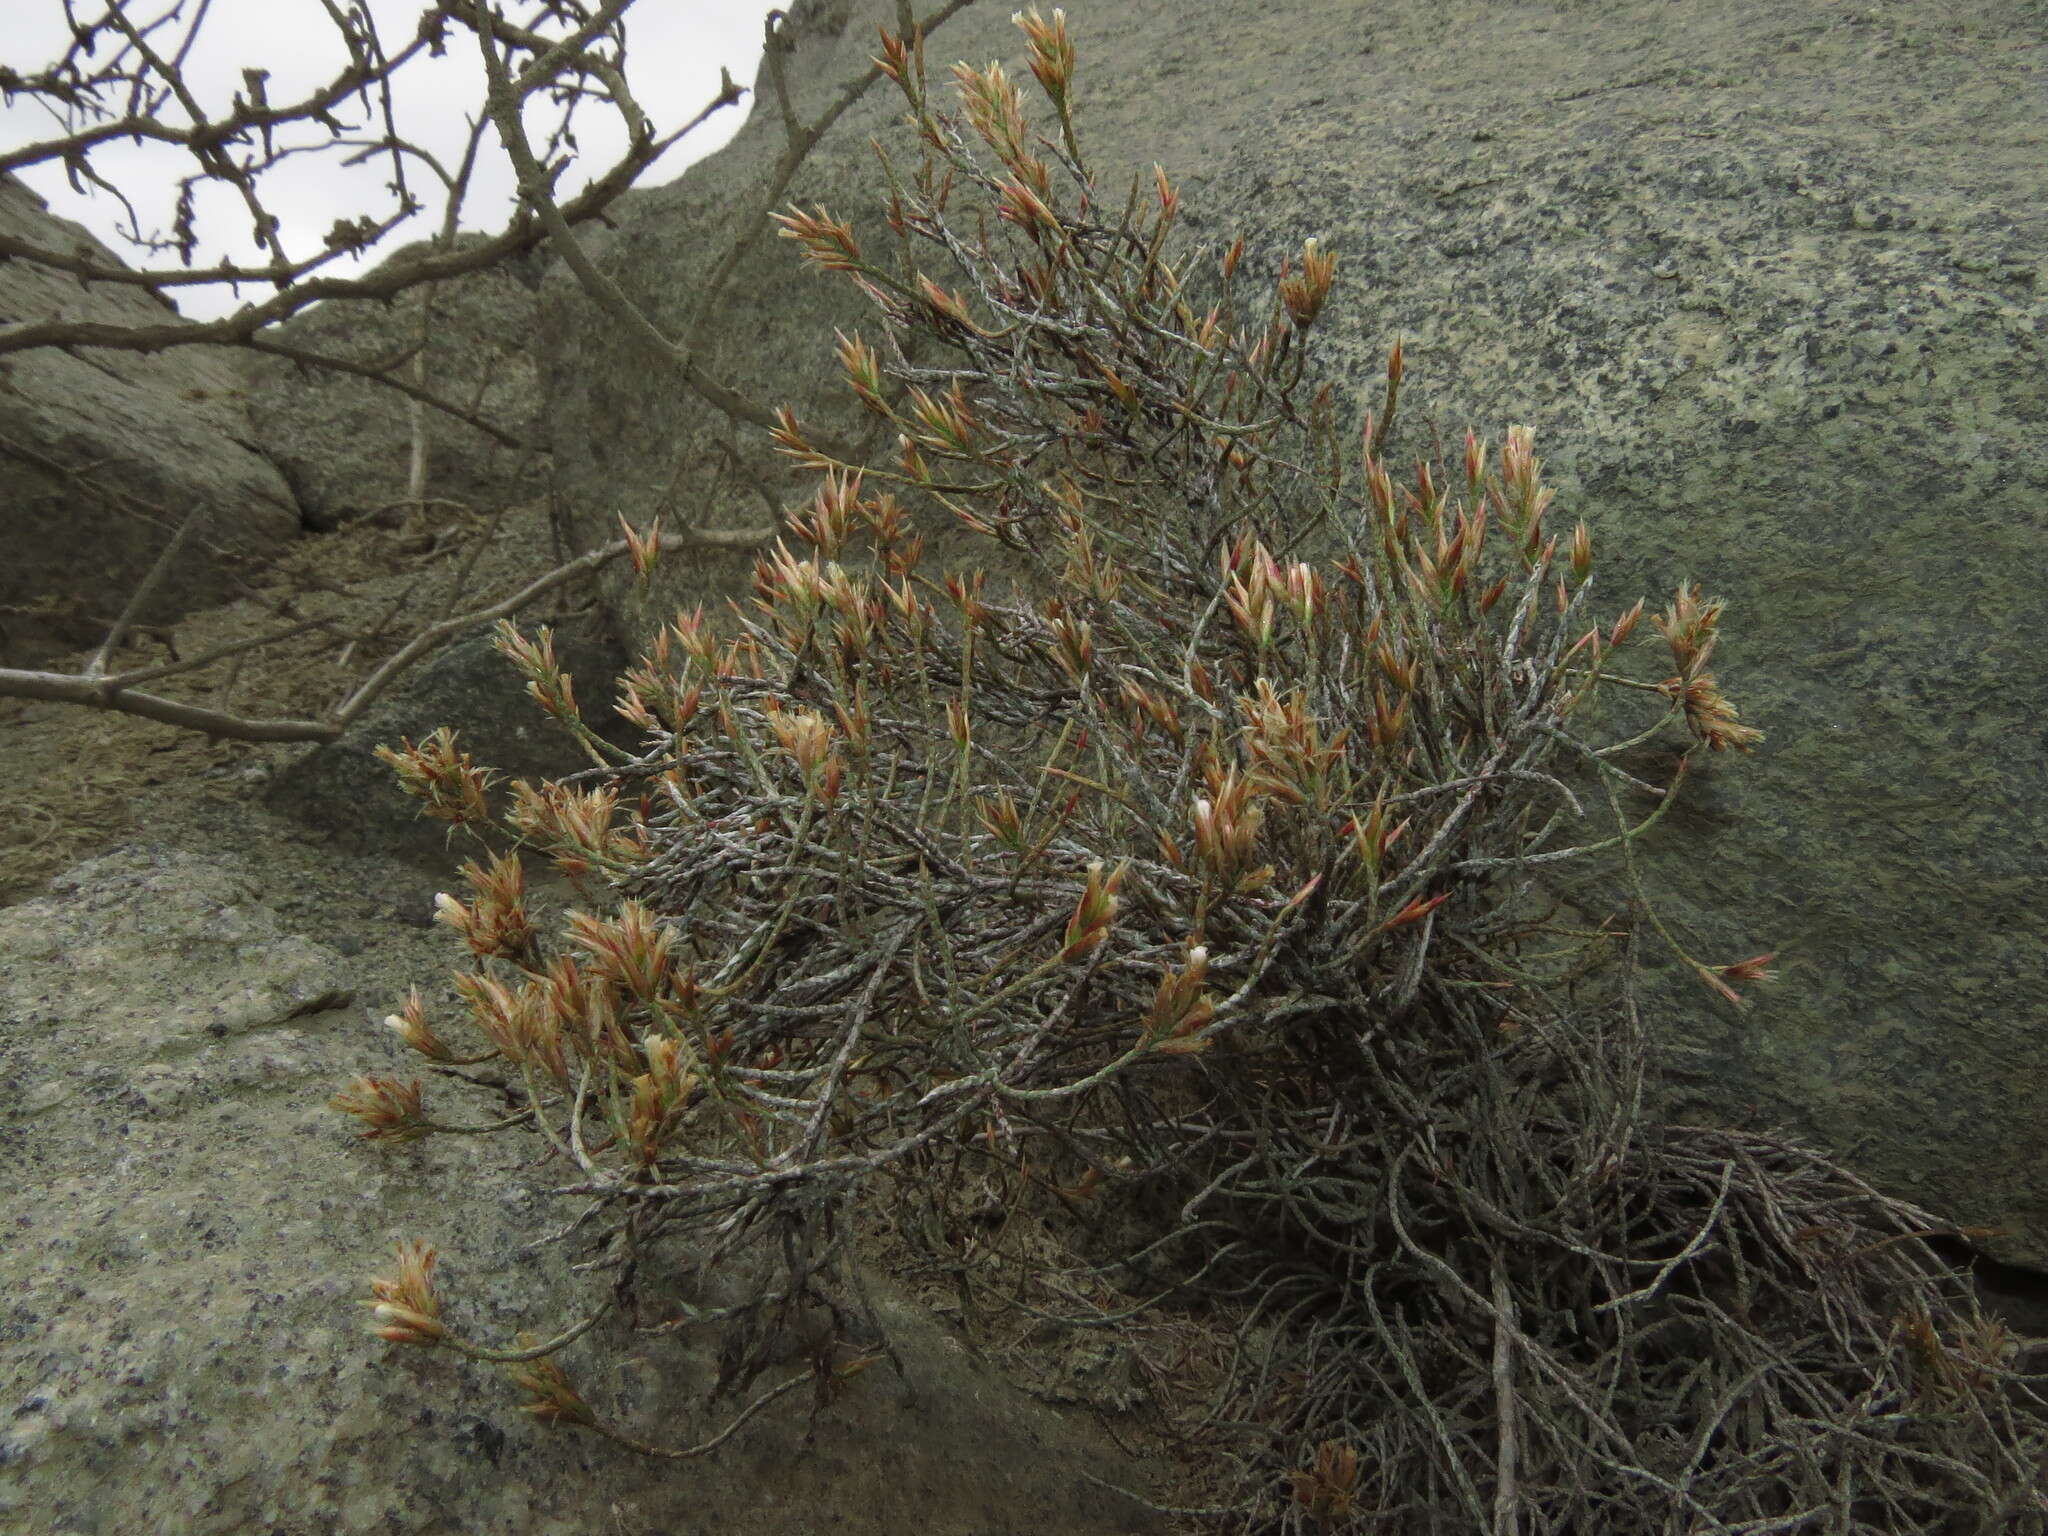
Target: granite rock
[
  {"x": 1766, "y": 280},
  {"x": 345, "y": 442},
  {"x": 343, "y": 790},
  {"x": 189, "y": 1231},
  {"x": 104, "y": 452}
]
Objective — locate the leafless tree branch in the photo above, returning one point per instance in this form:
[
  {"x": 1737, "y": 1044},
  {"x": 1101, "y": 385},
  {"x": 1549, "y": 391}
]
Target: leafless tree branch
[
  {"x": 123, "y": 77},
  {"x": 389, "y": 376}
]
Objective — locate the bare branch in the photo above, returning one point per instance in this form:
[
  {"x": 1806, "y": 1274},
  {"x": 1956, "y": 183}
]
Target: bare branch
[
  {"x": 132, "y": 87},
  {"x": 239, "y": 147},
  {"x": 117, "y": 691},
  {"x": 203, "y": 135},
  {"x": 144, "y": 590},
  {"x": 800, "y": 141},
  {"x": 431, "y": 638},
  {"x": 104, "y": 693},
  {"x": 141, "y": 675},
  {"x": 534, "y": 192},
  {"x": 392, "y": 279},
  {"x": 387, "y": 375}
]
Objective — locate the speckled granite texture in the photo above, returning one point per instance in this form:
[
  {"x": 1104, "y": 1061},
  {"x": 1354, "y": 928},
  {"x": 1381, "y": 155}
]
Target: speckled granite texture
[
  {"x": 186, "y": 1230},
  {"x": 1765, "y": 276}
]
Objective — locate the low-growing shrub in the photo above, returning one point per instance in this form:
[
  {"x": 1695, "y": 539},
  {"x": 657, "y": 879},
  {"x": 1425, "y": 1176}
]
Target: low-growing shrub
[{"x": 1166, "y": 937}]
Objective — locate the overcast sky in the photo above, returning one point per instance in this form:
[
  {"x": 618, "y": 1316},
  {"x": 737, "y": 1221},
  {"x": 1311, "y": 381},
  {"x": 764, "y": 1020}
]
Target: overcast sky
[{"x": 675, "y": 50}]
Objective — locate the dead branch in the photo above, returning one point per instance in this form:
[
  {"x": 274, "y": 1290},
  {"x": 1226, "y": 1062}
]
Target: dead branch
[
  {"x": 391, "y": 379},
  {"x": 606, "y": 293},
  {"x": 799, "y": 140},
  {"x": 123, "y": 79},
  {"x": 117, "y": 691},
  {"x": 161, "y": 107}
]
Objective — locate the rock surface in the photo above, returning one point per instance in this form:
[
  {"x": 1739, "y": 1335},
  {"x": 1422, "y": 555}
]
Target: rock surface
[
  {"x": 1765, "y": 278},
  {"x": 189, "y": 1228},
  {"x": 345, "y": 442},
  {"x": 344, "y": 789},
  {"x": 103, "y": 453}
]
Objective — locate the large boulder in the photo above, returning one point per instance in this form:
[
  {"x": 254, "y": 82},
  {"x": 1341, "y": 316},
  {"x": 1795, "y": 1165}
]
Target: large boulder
[
  {"x": 345, "y": 442},
  {"x": 1765, "y": 279},
  {"x": 104, "y": 453},
  {"x": 189, "y": 1229}
]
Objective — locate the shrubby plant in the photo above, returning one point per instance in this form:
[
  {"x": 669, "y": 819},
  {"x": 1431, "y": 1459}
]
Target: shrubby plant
[{"x": 1166, "y": 938}]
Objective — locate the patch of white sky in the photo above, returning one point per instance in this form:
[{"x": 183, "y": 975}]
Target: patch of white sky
[{"x": 675, "y": 49}]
